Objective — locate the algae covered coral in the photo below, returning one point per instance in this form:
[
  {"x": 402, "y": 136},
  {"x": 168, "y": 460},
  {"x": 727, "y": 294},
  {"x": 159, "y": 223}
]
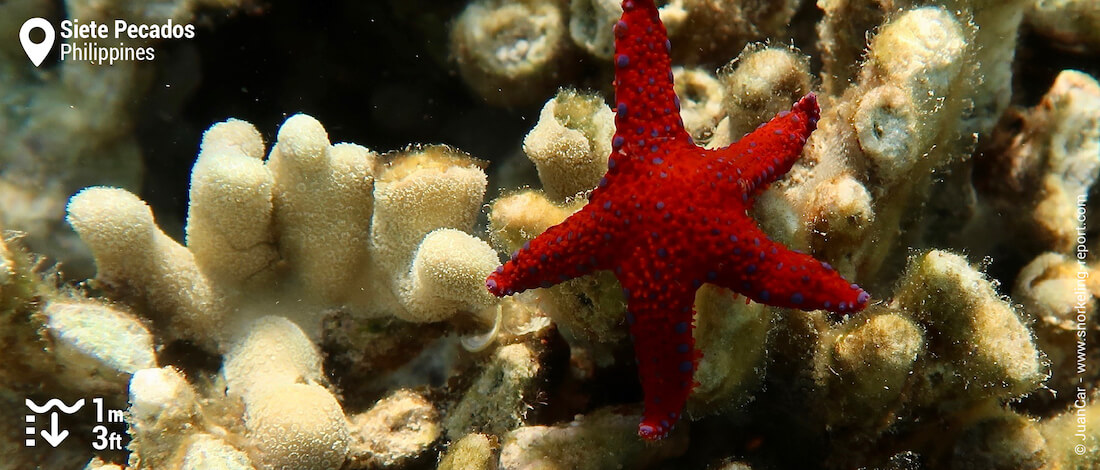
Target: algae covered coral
[{"x": 307, "y": 304}]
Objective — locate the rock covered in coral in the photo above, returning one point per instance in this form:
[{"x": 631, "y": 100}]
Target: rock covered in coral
[
  {"x": 96, "y": 344},
  {"x": 1050, "y": 151},
  {"x": 1071, "y": 24},
  {"x": 397, "y": 430},
  {"x": 473, "y": 452},
  {"x": 500, "y": 395},
  {"x": 602, "y": 439},
  {"x": 864, "y": 366},
  {"x": 986, "y": 348}
]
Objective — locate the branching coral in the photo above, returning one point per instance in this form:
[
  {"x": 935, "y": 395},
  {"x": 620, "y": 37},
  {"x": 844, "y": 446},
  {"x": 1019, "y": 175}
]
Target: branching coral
[{"x": 303, "y": 221}]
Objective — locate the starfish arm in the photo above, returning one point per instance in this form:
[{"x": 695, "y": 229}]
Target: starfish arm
[
  {"x": 659, "y": 313},
  {"x": 769, "y": 151},
  {"x": 647, "y": 111},
  {"x": 769, "y": 273},
  {"x": 571, "y": 249}
]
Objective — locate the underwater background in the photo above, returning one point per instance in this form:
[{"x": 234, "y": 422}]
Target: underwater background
[{"x": 267, "y": 247}]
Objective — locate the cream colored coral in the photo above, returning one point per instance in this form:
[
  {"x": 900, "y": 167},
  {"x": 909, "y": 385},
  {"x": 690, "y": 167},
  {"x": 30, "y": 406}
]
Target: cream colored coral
[
  {"x": 271, "y": 351},
  {"x": 206, "y": 451},
  {"x": 98, "y": 346},
  {"x": 842, "y": 205},
  {"x": 735, "y": 337},
  {"x": 133, "y": 255},
  {"x": 919, "y": 51},
  {"x": 422, "y": 190},
  {"x": 599, "y": 440},
  {"x": 510, "y": 52},
  {"x": 863, "y": 367},
  {"x": 323, "y": 199},
  {"x": 520, "y": 217},
  {"x": 293, "y": 422},
  {"x": 448, "y": 274},
  {"x": 230, "y": 209},
  {"x": 590, "y": 25},
  {"x": 1055, "y": 290},
  {"x": 164, "y": 411},
  {"x": 701, "y": 97},
  {"x": 570, "y": 143},
  {"x": 160, "y": 394},
  {"x": 761, "y": 82},
  {"x": 887, "y": 126},
  {"x": 472, "y": 452},
  {"x": 1064, "y": 134},
  {"x": 297, "y": 426},
  {"x": 397, "y": 429},
  {"x": 919, "y": 58},
  {"x": 985, "y": 339},
  {"x": 1059, "y": 297}
]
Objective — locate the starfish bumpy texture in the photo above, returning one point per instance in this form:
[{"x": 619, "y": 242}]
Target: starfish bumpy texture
[{"x": 669, "y": 216}]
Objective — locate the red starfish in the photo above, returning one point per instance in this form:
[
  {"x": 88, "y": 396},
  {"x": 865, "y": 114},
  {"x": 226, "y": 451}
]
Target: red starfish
[{"x": 669, "y": 216}]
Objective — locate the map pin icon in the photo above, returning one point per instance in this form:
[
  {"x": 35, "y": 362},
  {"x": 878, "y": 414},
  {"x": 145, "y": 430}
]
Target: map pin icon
[{"x": 37, "y": 52}]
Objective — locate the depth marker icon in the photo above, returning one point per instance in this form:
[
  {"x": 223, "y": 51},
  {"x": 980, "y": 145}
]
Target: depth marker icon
[{"x": 53, "y": 435}]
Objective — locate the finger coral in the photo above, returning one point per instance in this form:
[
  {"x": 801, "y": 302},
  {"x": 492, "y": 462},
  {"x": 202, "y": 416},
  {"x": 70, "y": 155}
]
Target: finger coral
[{"x": 323, "y": 220}]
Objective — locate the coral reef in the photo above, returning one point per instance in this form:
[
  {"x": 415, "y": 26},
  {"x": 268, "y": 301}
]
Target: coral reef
[{"x": 324, "y": 305}]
